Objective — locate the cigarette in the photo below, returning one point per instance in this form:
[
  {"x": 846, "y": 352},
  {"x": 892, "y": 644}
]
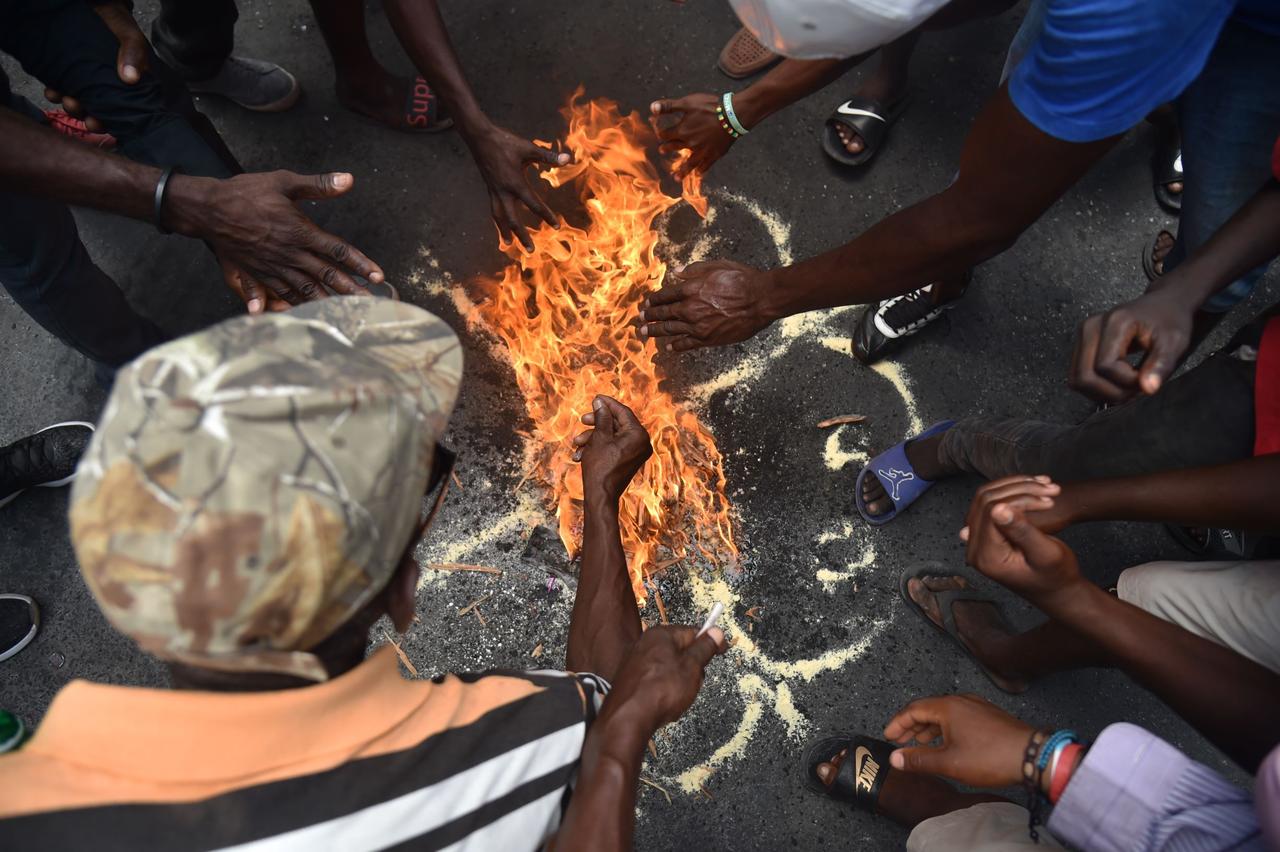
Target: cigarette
[{"x": 711, "y": 618}]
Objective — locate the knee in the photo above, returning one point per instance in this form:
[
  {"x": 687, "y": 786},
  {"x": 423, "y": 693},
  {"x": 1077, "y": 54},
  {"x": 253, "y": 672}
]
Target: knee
[
  {"x": 1146, "y": 586},
  {"x": 132, "y": 111}
]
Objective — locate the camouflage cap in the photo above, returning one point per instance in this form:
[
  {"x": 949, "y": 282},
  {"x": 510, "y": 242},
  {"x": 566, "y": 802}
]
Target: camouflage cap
[{"x": 252, "y": 486}]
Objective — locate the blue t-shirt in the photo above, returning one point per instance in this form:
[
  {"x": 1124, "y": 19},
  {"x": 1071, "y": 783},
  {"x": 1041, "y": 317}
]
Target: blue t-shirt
[{"x": 1097, "y": 67}]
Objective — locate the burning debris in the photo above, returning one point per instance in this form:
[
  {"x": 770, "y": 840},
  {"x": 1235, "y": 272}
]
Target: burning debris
[{"x": 567, "y": 313}]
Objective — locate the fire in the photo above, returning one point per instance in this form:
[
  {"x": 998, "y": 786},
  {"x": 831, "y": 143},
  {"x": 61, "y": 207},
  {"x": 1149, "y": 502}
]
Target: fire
[{"x": 567, "y": 313}]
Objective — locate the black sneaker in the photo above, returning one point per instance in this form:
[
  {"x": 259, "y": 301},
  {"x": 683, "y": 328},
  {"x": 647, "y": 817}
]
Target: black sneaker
[
  {"x": 19, "y": 621},
  {"x": 47, "y": 459},
  {"x": 883, "y": 324}
]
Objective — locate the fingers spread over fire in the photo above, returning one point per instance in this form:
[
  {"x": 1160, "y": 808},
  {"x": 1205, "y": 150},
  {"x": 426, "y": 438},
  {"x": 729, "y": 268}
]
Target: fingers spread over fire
[
  {"x": 667, "y": 328},
  {"x": 684, "y": 343},
  {"x": 657, "y": 313}
]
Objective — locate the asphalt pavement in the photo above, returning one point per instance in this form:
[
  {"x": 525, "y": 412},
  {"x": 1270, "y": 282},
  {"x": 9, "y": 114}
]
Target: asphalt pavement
[{"x": 829, "y": 645}]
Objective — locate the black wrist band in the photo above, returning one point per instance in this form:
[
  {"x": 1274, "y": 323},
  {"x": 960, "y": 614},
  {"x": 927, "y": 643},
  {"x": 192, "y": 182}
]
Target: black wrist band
[{"x": 162, "y": 186}]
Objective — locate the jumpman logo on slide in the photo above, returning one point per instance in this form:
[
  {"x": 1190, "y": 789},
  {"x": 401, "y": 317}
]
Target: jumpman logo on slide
[{"x": 896, "y": 477}]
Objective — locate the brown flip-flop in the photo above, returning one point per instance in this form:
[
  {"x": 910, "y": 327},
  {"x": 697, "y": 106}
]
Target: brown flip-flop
[
  {"x": 743, "y": 56},
  {"x": 946, "y": 600}
]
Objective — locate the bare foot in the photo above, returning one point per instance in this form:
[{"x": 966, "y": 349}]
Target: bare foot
[
  {"x": 978, "y": 625},
  {"x": 850, "y": 138},
  {"x": 827, "y": 771},
  {"x": 880, "y": 88},
  {"x": 923, "y": 456},
  {"x": 1160, "y": 250}
]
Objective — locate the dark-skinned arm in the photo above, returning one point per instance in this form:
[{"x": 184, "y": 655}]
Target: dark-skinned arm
[
  {"x": 422, "y": 33},
  {"x": 1250, "y": 238},
  {"x": 659, "y": 680},
  {"x": 601, "y": 814},
  {"x": 605, "y": 623},
  {"x": 795, "y": 79},
  {"x": 698, "y": 129},
  {"x": 501, "y": 155},
  {"x": 1226, "y": 696},
  {"x": 270, "y": 252},
  {"x": 36, "y": 161},
  {"x": 656, "y": 674},
  {"x": 1163, "y": 323},
  {"x": 787, "y": 82},
  {"x": 1238, "y": 495},
  {"x": 1010, "y": 173}
]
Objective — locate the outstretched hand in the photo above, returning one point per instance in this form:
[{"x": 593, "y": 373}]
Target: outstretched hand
[
  {"x": 503, "y": 159},
  {"x": 698, "y": 129},
  {"x": 613, "y": 450},
  {"x": 982, "y": 745},
  {"x": 268, "y": 248},
  {"x": 712, "y": 303},
  {"x": 1006, "y": 546},
  {"x": 1157, "y": 325}
]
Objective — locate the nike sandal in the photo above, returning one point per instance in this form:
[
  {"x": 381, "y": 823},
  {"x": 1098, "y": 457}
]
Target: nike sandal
[
  {"x": 869, "y": 119},
  {"x": 861, "y": 773}
]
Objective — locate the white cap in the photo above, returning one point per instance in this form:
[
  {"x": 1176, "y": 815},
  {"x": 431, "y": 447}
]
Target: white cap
[{"x": 831, "y": 29}]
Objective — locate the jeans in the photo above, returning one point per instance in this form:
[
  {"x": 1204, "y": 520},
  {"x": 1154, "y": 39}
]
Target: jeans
[
  {"x": 195, "y": 36},
  {"x": 1230, "y": 118},
  {"x": 43, "y": 264},
  {"x": 1203, "y": 417}
]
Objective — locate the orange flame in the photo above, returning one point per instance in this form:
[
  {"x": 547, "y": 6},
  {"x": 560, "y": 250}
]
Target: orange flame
[{"x": 567, "y": 312}]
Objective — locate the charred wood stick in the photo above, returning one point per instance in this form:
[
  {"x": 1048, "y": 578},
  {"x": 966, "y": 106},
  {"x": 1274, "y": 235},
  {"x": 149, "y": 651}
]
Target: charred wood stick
[
  {"x": 841, "y": 420},
  {"x": 462, "y": 566},
  {"x": 404, "y": 658},
  {"x": 475, "y": 603}
]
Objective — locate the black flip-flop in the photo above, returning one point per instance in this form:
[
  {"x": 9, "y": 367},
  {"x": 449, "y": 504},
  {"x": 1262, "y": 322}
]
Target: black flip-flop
[
  {"x": 1166, "y": 168},
  {"x": 861, "y": 773},
  {"x": 869, "y": 119},
  {"x": 947, "y": 600},
  {"x": 423, "y": 112},
  {"x": 1148, "y": 261}
]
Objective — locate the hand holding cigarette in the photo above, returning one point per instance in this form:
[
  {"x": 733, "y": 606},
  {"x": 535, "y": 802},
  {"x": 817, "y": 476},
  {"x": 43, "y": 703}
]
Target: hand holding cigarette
[{"x": 712, "y": 618}]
